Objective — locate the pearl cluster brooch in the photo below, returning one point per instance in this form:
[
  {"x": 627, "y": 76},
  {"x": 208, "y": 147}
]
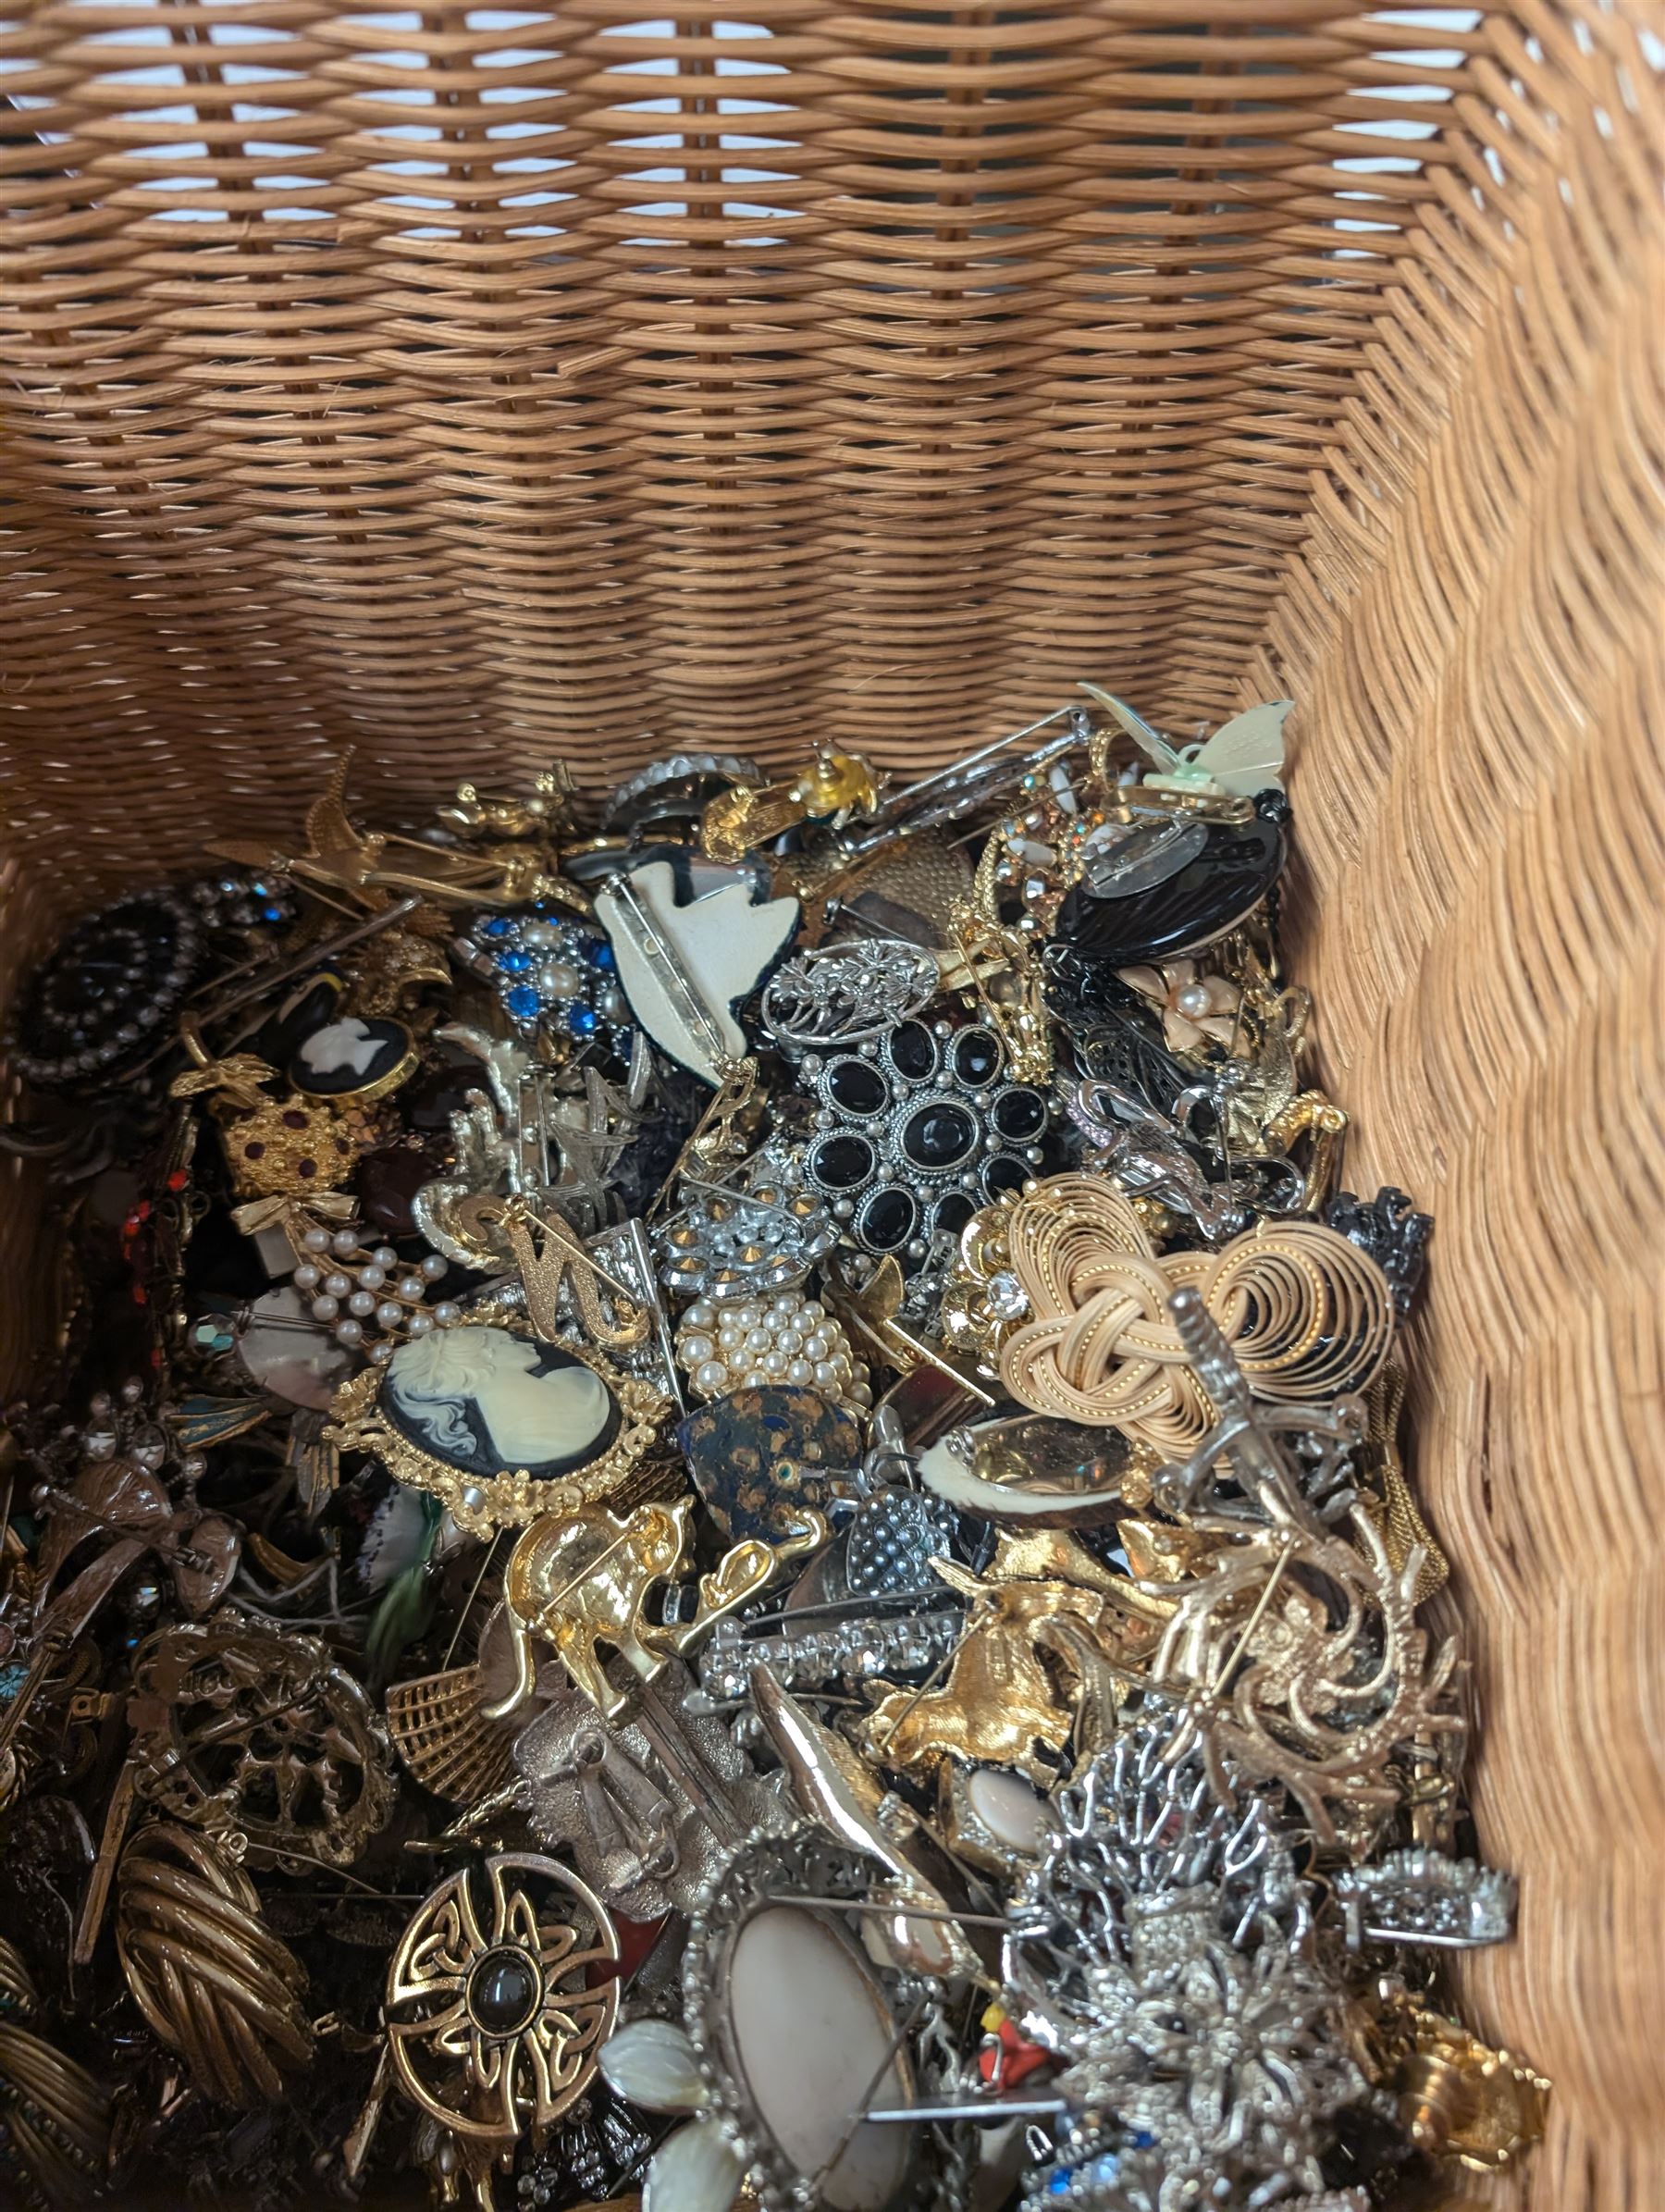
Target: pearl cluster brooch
[
  {"x": 370, "y": 1298},
  {"x": 789, "y": 1338}
]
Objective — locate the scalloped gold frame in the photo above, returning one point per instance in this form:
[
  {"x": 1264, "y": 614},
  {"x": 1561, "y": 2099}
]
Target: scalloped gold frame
[{"x": 482, "y": 1504}]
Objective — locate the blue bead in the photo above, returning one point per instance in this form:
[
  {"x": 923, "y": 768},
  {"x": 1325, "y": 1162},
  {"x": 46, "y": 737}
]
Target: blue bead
[
  {"x": 497, "y": 925},
  {"x": 1142, "y": 2140},
  {"x": 1059, "y": 2184},
  {"x": 271, "y": 914},
  {"x": 514, "y": 963},
  {"x": 1107, "y": 2168},
  {"x": 523, "y": 1002},
  {"x": 582, "y": 1021},
  {"x": 602, "y": 957}
]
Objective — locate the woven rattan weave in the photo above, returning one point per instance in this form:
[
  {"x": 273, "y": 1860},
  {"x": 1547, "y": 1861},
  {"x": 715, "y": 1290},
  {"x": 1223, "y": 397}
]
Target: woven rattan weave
[{"x": 474, "y": 386}]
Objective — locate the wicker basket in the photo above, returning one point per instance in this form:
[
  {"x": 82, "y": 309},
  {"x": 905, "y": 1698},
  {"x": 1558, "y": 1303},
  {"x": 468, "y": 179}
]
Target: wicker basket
[{"x": 473, "y": 388}]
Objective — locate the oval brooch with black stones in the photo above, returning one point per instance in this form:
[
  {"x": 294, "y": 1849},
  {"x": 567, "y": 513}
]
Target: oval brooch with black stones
[{"x": 917, "y": 1130}]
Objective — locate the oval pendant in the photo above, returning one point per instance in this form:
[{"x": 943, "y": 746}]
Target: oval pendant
[{"x": 1218, "y": 887}]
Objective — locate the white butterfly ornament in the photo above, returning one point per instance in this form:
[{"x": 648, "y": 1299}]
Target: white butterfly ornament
[{"x": 1245, "y": 754}]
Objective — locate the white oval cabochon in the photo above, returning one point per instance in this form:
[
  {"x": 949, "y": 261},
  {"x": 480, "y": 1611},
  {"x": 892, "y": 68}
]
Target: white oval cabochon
[
  {"x": 1014, "y": 1813},
  {"x": 811, "y": 2030}
]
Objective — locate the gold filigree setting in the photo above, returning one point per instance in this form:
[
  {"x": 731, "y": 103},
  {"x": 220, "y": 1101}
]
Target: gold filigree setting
[
  {"x": 479, "y": 1503},
  {"x": 497, "y": 2003}
]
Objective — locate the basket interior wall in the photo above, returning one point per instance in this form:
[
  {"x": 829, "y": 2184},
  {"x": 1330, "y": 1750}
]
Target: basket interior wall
[{"x": 475, "y": 388}]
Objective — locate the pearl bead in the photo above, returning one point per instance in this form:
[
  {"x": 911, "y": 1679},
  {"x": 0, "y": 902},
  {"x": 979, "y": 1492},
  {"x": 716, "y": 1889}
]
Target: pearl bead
[
  {"x": 389, "y": 1313},
  {"x": 611, "y": 1004},
  {"x": 539, "y": 934},
  {"x": 818, "y": 1346},
  {"x": 758, "y": 1339},
  {"x": 385, "y": 1256},
  {"x": 316, "y": 1240},
  {"x": 700, "y": 1315},
  {"x": 349, "y": 1332},
  {"x": 381, "y": 1354},
  {"x": 774, "y": 1364},
  {"x": 411, "y": 1286},
  {"x": 343, "y": 1241},
  {"x": 711, "y": 1377},
  {"x": 361, "y": 1304},
  {"x": 790, "y": 1342},
  {"x": 825, "y": 1373},
  {"x": 447, "y": 1313},
  {"x": 811, "y": 1313},
  {"x": 326, "y": 1309},
  {"x": 433, "y": 1268},
  {"x": 800, "y": 1371},
  {"x": 729, "y": 1340},
  {"x": 307, "y": 1277},
  {"x": 337, "y": 1285},
  {"x": 372, "y": 1278},
  {"x": 1195, "y": 1000},
  {"x": 753, "y": 1379},
  {"x": 421, "y": 1324},
  {"x": 559, "y": 979},
  {"x": 694, "y": 1349}
]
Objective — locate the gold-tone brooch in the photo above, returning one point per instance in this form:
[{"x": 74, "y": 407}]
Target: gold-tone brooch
[
  {"x": 211, "y": 1979},
  {"x": 499, "y": 1424},
  {"x": 1458, "y": 2099},
  {"x": 500, "y": 1995},
  {"x": 285, "y": 1149},
  {"x": 56, "y": 2132},
  {"x": 585, "y": 1576},
  {"x": 1065, "y": 1287}
]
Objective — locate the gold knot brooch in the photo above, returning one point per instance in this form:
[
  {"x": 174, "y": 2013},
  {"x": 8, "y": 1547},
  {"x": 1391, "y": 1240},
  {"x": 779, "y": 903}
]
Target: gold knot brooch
[{"x": 1308, "y": 1314}]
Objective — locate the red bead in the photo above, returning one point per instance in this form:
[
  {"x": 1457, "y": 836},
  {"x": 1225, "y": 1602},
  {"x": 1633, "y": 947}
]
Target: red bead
[{"x": 1010, "y": 2057}]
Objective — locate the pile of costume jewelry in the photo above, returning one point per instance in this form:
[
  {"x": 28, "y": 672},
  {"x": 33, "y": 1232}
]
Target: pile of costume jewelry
[{"x": 721, "y": 1523}]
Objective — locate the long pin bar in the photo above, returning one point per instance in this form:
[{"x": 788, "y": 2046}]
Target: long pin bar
[{"x": 985, "y": 2111}]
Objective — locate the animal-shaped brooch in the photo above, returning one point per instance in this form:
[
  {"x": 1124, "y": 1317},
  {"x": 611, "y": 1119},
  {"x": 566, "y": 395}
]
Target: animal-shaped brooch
[
  {"x": 1003, "y": 1704},
  {"x": 582, "y": 1579}
]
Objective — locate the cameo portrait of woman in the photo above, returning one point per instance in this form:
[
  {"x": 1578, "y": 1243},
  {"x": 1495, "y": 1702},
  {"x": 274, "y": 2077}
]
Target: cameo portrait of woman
[
  {"x": 484, "y": 1401},
  {"x": 351, "y": 1057}
]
